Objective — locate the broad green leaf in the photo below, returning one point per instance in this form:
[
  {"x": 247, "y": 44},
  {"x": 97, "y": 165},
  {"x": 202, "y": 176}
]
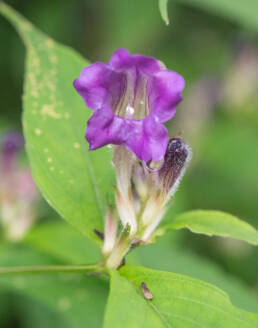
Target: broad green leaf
[
  {"x": 63, "y": 242},
  {"x": 163, "y": 8},
  {"x": 72, "y": 179},
  {"x": 213, "y": 223},
  {"x": 127, "y": 308},
  {"x": 180, "y": 302},
  {"x": 242, "y": 12},
  {"x": 170, "y": 257},
  {"x": 78, "y": 298}
]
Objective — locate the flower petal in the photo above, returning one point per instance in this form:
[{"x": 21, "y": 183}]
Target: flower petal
[
  {"x": 122, "y": 59},
  {"x": 165, "y": 94},
  {"x": 146, "y": 138},
  {"x": 99, "y": 85},
  {"x": 98, "y": 131},
  {"x": 149, "y": 140},
  {"x": 131, "y": 96}
]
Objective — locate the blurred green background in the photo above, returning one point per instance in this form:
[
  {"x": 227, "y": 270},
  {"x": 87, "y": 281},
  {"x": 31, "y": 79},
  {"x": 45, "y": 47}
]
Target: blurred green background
[{"x": 213, "y": 44}]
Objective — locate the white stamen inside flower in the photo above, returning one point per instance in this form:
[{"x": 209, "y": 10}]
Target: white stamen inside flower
[{"x": 129, "y": 111}]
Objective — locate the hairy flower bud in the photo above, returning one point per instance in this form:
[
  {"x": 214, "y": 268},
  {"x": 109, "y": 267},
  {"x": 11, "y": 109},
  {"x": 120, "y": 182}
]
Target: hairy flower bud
[
  {"x": 166, "y": 180},
  {"x": 177, "y": 157}
]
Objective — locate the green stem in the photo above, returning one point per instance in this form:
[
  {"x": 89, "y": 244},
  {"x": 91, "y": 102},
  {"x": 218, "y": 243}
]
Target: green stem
[{"x": 51, "y": 269}]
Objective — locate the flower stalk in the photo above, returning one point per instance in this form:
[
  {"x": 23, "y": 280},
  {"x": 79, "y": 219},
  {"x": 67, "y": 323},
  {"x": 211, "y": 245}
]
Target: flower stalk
[{"x": 7, "y": 271}]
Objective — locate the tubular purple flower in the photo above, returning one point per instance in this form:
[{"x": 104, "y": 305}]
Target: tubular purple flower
[
  {"x": 18, "y": 192},
  {"x": 131, "y": 97}
]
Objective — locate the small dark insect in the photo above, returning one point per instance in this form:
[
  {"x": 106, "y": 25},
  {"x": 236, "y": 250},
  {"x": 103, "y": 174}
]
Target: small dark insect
[
  {"x": 146, "y": 292},
  {"x": 99, "y": 234}
]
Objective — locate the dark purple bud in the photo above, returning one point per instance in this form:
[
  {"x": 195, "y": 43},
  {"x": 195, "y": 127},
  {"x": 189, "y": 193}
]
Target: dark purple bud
[{"x": 178, "y": 155}]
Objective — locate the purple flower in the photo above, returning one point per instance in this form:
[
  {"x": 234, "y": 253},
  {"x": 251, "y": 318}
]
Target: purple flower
[
  {"x": 131, "y": 97},
  {"x": 12, "y": 143},
  {"x": 18, "y": 192}
]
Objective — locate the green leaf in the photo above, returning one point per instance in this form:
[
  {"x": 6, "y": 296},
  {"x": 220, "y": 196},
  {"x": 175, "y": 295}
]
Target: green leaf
[
  {"x": 169, "y": 257},
  {"x": 63, "y": 242},
  {"x": 178, "y": 301},
  {"x": 242, "y": 12},
  {"x": 126, "y": 308},
  {"x": 78, "y": 298},
  {"x": 213, "y": 223},
  {"x": 72, "y": 179},
  {"x": 163, "y": 8}
]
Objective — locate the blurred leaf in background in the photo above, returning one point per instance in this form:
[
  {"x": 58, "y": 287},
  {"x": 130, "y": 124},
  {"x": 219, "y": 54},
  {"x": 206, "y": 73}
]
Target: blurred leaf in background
[{"x": 244, "y": 13}]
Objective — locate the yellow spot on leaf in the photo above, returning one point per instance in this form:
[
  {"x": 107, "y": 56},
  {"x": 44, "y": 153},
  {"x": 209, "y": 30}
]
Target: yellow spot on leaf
[
  {"x": 34, "y": 93},
  {"x": 49, "y": 110},
  {"x": 50, "y": 43},
  {"x": 35, "y": 63},
  {"x": 76, "y": 145},
  {"x": 26, "y": 26},
  {"x": 64, "y": 304},
  {"x": 38, "y": 132},
  {"x": 53, "y": 59}
]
